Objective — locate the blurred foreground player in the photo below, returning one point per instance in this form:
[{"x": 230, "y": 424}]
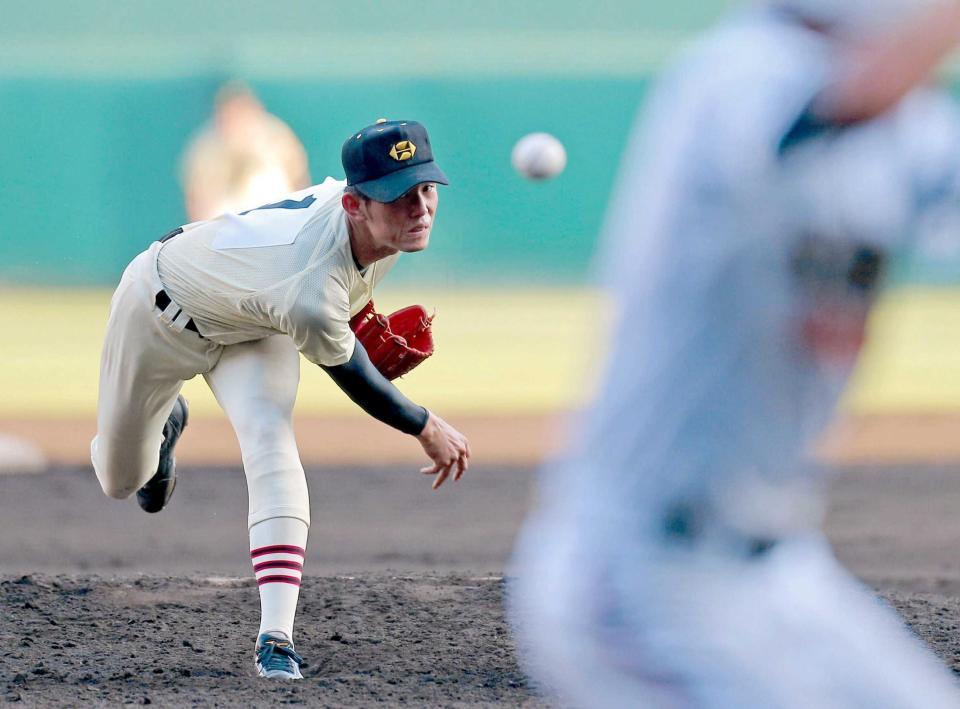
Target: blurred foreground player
[
  {"x": 235, "y": 299},
  {"x": 675, "y": 559}
]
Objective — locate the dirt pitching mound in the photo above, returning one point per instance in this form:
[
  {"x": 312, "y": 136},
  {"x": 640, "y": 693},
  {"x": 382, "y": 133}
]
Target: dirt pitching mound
[
  {"x": 419, "y": 640},
  {"x": 424, "y": 640}
]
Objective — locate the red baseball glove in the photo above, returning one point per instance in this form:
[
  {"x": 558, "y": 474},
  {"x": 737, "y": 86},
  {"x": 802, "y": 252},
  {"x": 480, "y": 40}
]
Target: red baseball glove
[{"x": 395, "y": 343}]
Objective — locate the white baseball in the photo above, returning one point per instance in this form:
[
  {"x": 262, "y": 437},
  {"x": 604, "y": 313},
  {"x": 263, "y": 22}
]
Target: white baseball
[{"x": 539, "y": 156}]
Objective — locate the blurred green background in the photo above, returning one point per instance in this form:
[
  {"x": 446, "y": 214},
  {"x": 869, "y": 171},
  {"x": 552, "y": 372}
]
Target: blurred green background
[{"x": 99, "y": 99}]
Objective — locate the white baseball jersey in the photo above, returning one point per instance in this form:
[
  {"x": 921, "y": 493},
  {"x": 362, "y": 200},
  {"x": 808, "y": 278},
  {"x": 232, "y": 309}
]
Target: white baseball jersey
[
  {"x": 742, "y": 249},
  {"x": 285, "y": 267},
  {"x": 673, "y": 560}
]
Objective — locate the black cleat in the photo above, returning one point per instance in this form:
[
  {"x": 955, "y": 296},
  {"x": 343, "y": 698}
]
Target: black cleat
[{"x": 156, "y": 492}]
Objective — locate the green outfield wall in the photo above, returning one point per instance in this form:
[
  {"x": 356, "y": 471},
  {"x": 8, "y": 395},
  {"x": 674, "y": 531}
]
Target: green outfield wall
[
  {"x": 90, "y": 167},
  {"x": 99, "y": 99}
]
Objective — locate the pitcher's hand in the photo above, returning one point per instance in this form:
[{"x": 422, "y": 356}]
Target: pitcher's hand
[{"x": 446, "y": 447}]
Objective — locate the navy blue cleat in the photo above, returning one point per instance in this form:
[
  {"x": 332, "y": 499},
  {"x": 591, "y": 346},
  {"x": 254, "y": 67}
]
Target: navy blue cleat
[
  {"x": 276, "y": 658},
  {"x": 156, "y": 492}
]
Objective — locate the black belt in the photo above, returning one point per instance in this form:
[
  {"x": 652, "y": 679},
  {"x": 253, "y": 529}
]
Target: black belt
[{"x": 163, "y": 300}]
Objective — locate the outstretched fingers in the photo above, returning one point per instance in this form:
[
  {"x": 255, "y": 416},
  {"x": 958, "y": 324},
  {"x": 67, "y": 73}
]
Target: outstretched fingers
[
  {"x": 431, "y": 469},
  {"x": 441, "y": 470},
  {"x": 463, "y": 464},
  {"x": 447, "y": 448},
  {"x": 442, "y": 476}
]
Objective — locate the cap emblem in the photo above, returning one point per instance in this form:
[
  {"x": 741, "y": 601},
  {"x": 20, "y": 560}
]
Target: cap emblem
[{"x": 404, "y": 150}]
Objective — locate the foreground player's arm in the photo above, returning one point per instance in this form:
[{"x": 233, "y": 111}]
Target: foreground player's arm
[
  {"x": 371, "y": 391},
  {"x": 881, "y": 71}
]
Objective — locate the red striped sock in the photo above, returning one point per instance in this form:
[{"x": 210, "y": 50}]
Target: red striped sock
[
  {"x": 279, "y": 563},
  {"x": 277, "y": 550}
]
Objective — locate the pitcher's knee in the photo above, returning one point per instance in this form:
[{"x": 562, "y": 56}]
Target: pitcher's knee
[
  {"x": 113, "y": 473},
  {"x": 111, "y": 485},
  {"x": 115, "y": 490}
]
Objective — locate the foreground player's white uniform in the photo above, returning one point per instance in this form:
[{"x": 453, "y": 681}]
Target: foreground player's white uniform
[
  {"x": 282, "y": 268},
  {"x": 675, "y": 558}
]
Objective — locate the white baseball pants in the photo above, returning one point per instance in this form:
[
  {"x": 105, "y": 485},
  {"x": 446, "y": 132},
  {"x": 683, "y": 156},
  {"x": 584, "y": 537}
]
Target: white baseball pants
[
  {"x": 606, "y": 622},
  {"x": 147, "y": 355}
]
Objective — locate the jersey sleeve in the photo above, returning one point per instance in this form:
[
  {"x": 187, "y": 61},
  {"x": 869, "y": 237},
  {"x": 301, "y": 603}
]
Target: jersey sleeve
[
  {"x": 318, "y": 320},
  {"x": 861, "y": 181},
  {"x": 871, "y": 181}
]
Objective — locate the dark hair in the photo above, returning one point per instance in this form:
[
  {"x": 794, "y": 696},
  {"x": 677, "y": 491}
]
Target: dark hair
[{"x": 351, "y": 189}]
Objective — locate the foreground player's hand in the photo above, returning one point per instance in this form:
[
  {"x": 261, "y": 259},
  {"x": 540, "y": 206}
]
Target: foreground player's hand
[{"x": 446, "y": 447}]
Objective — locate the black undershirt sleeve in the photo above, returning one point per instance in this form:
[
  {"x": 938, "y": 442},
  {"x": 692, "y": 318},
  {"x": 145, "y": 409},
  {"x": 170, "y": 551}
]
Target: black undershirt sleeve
[{"x": 376, "y": 395}]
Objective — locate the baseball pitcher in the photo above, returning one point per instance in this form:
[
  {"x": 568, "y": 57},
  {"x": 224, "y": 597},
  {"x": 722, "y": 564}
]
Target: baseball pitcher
[{"x": 237, "y": 299}]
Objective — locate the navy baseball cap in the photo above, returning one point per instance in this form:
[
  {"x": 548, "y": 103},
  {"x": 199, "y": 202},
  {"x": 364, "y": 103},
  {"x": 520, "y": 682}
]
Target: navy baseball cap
[{"x": 385, "y": 160}]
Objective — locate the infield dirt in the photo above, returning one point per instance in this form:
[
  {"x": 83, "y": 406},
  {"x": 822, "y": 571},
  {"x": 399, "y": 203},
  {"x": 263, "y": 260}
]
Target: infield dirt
[{"x": 401, "y": 601}]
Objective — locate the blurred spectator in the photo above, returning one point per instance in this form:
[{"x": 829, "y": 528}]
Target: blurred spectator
[{"x": 242, "y": 158}]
